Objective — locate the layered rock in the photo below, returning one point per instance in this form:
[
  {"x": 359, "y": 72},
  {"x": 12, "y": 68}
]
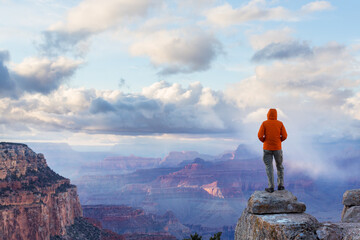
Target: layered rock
[
  {"x": 275, "y": 215},
  {"x": 35, "y": 202},
  {"x": 351, "y": 211},
  {"x": 262, "y": 202}
]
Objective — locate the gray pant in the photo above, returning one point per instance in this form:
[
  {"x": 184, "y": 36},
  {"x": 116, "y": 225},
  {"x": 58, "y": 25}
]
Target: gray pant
[{"x": 268, "y": 160}]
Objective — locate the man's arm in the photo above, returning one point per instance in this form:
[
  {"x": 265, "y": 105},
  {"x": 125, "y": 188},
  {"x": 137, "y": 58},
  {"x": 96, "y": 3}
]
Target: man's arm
[
  {"x": 261, "y": 133},
  {"x": 283, "y": 133}
]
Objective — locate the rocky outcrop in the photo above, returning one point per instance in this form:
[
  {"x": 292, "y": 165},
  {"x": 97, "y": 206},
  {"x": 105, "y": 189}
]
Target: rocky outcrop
[
  {"x": 351, "y": 211},
  {"x": 275, "y": 215},
  {"x": 279, "y": 216},
  {"x": 35, "y": 202},
  {"x": 262, "y": 202}
]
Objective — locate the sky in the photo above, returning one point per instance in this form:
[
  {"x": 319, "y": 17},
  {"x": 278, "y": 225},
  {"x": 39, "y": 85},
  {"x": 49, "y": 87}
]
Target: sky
[{"x": 150, "y": 76}]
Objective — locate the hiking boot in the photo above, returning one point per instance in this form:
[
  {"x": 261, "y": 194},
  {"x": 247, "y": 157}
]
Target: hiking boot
[
  {"x": 281, "y": 188},
  {"x": 270, "y": 190}
]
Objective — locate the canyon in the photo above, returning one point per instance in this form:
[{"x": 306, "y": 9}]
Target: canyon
[
  {"x": 172, "y": 196},
  {"x": 36, "y": 203}
]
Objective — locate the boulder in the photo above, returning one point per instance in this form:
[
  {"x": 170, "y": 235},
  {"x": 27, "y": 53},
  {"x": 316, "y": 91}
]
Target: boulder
[
  {"x": 276, "y": 226},
  {"x": 351, "y": 214},
  {"x": 351, "y": 211},
  {"x": 262, "y": 202},
  {"x": 351, "y": 198}
]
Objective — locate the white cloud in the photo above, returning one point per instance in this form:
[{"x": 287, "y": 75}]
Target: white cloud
[
  {"x": 160, "y": 108},
  {"x": 260, "y": 41},
  {"x": 43, "y": 74},
  {"x": 92, "y": 16},
  {"x": 352, "y": 106},
  {"x": 260, "y": 114},
  {"x": 249, "y": 92},
  {"x": 225, "y": 15},
  {"x": 179, "y": 50},
  {"x": 173, "y": 93},
  {"x": 89, "y": 18},
  {"x": 317, "y": 6}
]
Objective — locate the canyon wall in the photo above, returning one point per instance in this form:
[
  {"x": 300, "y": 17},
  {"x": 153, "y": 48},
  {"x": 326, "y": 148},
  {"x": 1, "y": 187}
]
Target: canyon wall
[{"x": 35, "y": 202}]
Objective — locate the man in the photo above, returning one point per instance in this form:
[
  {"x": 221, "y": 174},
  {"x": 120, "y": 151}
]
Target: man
[{"x": 272, "y": 132}]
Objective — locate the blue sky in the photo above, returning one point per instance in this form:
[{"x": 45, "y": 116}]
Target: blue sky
[{"x": 177, "y": 75}]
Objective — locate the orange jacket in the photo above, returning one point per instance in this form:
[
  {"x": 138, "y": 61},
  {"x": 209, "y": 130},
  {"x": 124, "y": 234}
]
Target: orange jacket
[{"x": 272, "y": 132}]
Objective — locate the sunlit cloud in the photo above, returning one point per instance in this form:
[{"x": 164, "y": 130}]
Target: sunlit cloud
[
  {"x": 317, "y": 6},
  {"x": 226, "y": 15},
  {"x": 178, "y": 51}
]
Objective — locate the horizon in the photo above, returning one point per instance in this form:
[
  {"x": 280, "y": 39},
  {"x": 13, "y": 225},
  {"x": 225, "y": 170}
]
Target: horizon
[{"x": 154, "y": 76}]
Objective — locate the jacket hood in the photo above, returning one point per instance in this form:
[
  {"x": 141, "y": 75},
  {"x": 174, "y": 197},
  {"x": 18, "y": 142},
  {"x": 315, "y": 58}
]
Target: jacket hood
[{"x": 272, "y": 114}]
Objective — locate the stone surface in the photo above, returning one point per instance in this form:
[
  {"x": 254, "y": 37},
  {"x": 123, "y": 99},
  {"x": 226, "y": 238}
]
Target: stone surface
[
  {"x": 334, "y": 231},
  {"x": 351, "y": 214},
  {"x": 262, "y": 202},
  {"x": 276, "y": 226},
  {"x": 329, "y": 231},
  {"x": 350, "y": 231},
  {"x": 35, "y": 202},
  {"x": 351, "y": 198}
]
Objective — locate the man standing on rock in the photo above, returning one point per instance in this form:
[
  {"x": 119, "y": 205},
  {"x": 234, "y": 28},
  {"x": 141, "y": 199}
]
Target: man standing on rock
[{"x": 272, "y": 132}]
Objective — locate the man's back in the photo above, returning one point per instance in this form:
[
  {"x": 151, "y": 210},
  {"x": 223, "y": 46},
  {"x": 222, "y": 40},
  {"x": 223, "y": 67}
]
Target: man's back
[{"x": 272, "y": 132}]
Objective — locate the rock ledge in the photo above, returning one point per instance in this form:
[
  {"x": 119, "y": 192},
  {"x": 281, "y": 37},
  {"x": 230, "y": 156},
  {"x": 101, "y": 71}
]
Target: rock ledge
[{"x": 262, "y": 202}]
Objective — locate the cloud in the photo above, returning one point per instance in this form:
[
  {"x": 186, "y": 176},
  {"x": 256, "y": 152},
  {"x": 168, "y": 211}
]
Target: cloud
[
  {"x": 34, "y": 75},
  {"x": 225, "y": 15},
  {"x": 6, "y": 83},
  {"x": 318, "y": 86},
  {"x": 260, "y": 41},
  {"x": 42, "y": 74},
  {"x": 317, "y": 6},
  {"x": 179, "y": 50},
  {"x": 258, "y": 10},
  {"x": 260, "y": 114},
  {"x": 352, "y": 106},
  {"x": 4, "y": 56},
  {"x": 91, "y": 17},
  {"x": 283, "y": 51},
  {"x": 159, "y": 109},
  {"x": 58, "y": 42},
  {"x": 99, "y": 105}
]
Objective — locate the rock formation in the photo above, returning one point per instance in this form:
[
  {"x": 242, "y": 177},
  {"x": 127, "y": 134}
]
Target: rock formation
[
  {"x": 35, "y": 202},
  {"x": 130, "y": 222},
  {"x": 275, "y": 215},
  {"x": 279, "y": 216},
  {"x": 351, "y": 201}
]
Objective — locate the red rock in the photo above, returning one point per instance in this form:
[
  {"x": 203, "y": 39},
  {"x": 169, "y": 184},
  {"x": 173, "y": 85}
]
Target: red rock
[{"x": 35, "y": 202}]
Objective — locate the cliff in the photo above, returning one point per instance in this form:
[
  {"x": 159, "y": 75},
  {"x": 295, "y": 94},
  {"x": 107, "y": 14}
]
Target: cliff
[
  {"x": 279, "y": 216},
  {"x": 35, "y": 202}
]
